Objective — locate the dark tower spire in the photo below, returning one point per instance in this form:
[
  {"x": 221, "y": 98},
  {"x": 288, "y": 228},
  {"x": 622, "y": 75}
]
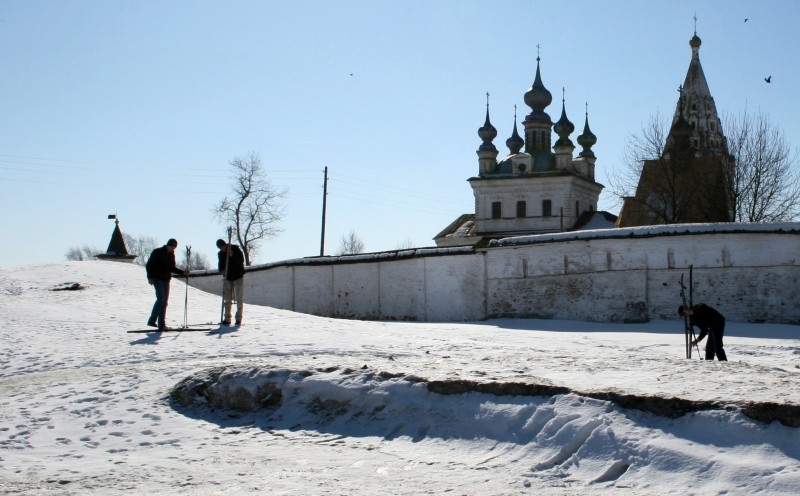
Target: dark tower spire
[
  {"x": 696, "y": 106},
  {"x": 116, "y": 247}
]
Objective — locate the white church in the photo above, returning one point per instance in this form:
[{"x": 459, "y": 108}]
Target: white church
[{"x": 538, "y": 187}]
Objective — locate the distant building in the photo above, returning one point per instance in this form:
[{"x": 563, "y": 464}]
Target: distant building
[
  {"x": 538, "y": 187},
  {"x": 689, "y": 183},
  {"x": 116, "y": 251}
]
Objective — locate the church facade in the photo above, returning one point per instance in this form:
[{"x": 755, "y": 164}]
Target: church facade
[{"x": 538, "y": 186}]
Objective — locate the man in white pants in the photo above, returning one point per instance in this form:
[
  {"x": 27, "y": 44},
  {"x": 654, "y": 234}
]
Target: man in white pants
[{"x": 231, "y": 266}]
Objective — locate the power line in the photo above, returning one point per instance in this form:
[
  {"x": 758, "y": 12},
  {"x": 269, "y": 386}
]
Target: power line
[
  {"x": 406, "y": 207},
  {"x": 401, "y": 191}
]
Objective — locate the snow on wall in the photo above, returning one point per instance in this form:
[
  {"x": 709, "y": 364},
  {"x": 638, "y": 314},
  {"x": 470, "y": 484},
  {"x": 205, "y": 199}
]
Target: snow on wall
[{"x": 750, "y": 272}]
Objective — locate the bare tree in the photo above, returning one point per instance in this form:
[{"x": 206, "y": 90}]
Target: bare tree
[
  {"x": 760, "y": 178},
  {"x": 646, "y": 147},
  {"x": 663, "y": 185},
  {"x": 351, "y": 245},
  {"x": 198, "y": 261},
  {"x": 142, "y": 247},
  {"x": 253, "y": 209},
  {"x": 82, "y": 253},
  {"x": 406, "y": 244},
  {"x": 765, "y": 186}
]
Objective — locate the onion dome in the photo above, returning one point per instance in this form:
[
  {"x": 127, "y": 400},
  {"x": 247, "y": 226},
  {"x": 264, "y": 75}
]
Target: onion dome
[
  {"x": 515, "y": 142},
  {"x": 487, "y": 132},
  {"x": 695, "y": 42},
  {"x": 563, "y": 127},
  {"x": 538, "y": 97},
  {"x": 587, "y": 139}
]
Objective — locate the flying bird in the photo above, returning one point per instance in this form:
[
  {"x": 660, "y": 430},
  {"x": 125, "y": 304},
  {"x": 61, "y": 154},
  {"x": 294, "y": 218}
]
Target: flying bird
[
  {"x": 768, "y": 79},
  {"x": 745, "y": 20}
]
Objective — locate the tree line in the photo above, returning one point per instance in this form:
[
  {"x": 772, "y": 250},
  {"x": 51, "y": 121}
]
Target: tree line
[{"x": 142, "y": 247}]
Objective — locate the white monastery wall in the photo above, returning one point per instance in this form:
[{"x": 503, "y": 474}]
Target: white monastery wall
[{"x": 750, "y": 272}]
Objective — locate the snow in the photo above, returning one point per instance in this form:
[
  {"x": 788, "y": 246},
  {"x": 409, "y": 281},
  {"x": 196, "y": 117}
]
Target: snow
[
  {"x": 647, "y": 231},
  {"x": 361, "y": 408}
]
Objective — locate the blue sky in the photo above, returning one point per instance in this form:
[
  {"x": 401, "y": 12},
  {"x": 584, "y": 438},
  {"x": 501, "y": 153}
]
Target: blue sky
[{"x": 136, "y": 107}]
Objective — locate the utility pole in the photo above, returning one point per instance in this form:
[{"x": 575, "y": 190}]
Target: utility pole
[{"x": 324, "y": 202}]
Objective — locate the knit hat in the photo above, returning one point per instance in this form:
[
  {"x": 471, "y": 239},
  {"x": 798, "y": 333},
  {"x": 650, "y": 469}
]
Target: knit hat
[
  {"x": 172, "y": 242},
  {"x": 220, "y": 243}
]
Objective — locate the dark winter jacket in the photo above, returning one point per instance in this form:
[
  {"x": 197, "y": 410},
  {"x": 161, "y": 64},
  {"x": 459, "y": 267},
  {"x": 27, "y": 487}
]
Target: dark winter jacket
[
  {"x": 706, "y": 318},
  {"x": 161, "y": 264},
  {"x": 235, "y": 263}
]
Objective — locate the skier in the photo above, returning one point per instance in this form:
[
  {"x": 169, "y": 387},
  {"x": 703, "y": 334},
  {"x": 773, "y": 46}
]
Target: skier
[
  {"x": 231, "y": 266},
  {"x": 160, "y": 267},
  {"x": 710, "y": 322}
]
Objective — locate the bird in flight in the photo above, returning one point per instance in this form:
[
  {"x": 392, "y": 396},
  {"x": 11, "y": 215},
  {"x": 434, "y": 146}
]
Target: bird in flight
[
  {"x": 745, "y": 20},
  {"x": 768, "y": 79}
]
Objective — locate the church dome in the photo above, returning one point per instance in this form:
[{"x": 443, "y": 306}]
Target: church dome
[
  {"x": 587, "y": 139},
  {"x": 487, "y": 133},
  {"x": 538, "y": 97},
  {"x": 515, "y": 142},
  {"x": 563, "y": 127}
]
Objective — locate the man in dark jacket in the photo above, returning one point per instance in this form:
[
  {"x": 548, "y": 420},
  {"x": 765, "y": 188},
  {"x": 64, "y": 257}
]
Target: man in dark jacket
[
  {"x": 231, "y": 266},
  {"x": 711, "y": 323},
  {"x": 160, "y": 267}
]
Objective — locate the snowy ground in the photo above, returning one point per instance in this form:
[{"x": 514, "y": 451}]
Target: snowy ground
[{"x": 85, "y": 407}]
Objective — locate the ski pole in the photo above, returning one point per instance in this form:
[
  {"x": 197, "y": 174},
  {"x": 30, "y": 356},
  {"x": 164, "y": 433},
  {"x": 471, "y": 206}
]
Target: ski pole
[
  {"x": 695, "y": 344},
  {"x": 693, "y": 340},
  {"x": 691, "y": 303},
  {"x": 186, "y": 297}
]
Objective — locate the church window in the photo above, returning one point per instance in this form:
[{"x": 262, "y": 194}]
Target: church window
[
  {"x": 547, "y": 208},
  {"x": 521, "y": 209},
  {"x": 497, "y": 211}
]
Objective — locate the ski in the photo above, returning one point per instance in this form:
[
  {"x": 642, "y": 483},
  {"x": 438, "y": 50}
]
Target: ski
[{"x": 174, "y": 329}]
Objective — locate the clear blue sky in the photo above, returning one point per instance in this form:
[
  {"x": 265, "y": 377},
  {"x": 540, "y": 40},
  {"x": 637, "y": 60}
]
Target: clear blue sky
[{"x": 136, "y": 107}]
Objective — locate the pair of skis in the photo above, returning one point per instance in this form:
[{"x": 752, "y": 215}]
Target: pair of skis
[
  {"x": 171, "y": 329},
  {"x": 187, "y": 328},
  {"x": 688, "y": 328}
]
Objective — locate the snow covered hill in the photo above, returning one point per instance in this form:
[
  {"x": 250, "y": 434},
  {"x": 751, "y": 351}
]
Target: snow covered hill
[{"x": 326, "y": 406}]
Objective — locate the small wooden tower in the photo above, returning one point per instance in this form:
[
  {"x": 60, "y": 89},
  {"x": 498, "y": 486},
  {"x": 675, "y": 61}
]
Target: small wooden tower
[{"x": 116, "y": 251}]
